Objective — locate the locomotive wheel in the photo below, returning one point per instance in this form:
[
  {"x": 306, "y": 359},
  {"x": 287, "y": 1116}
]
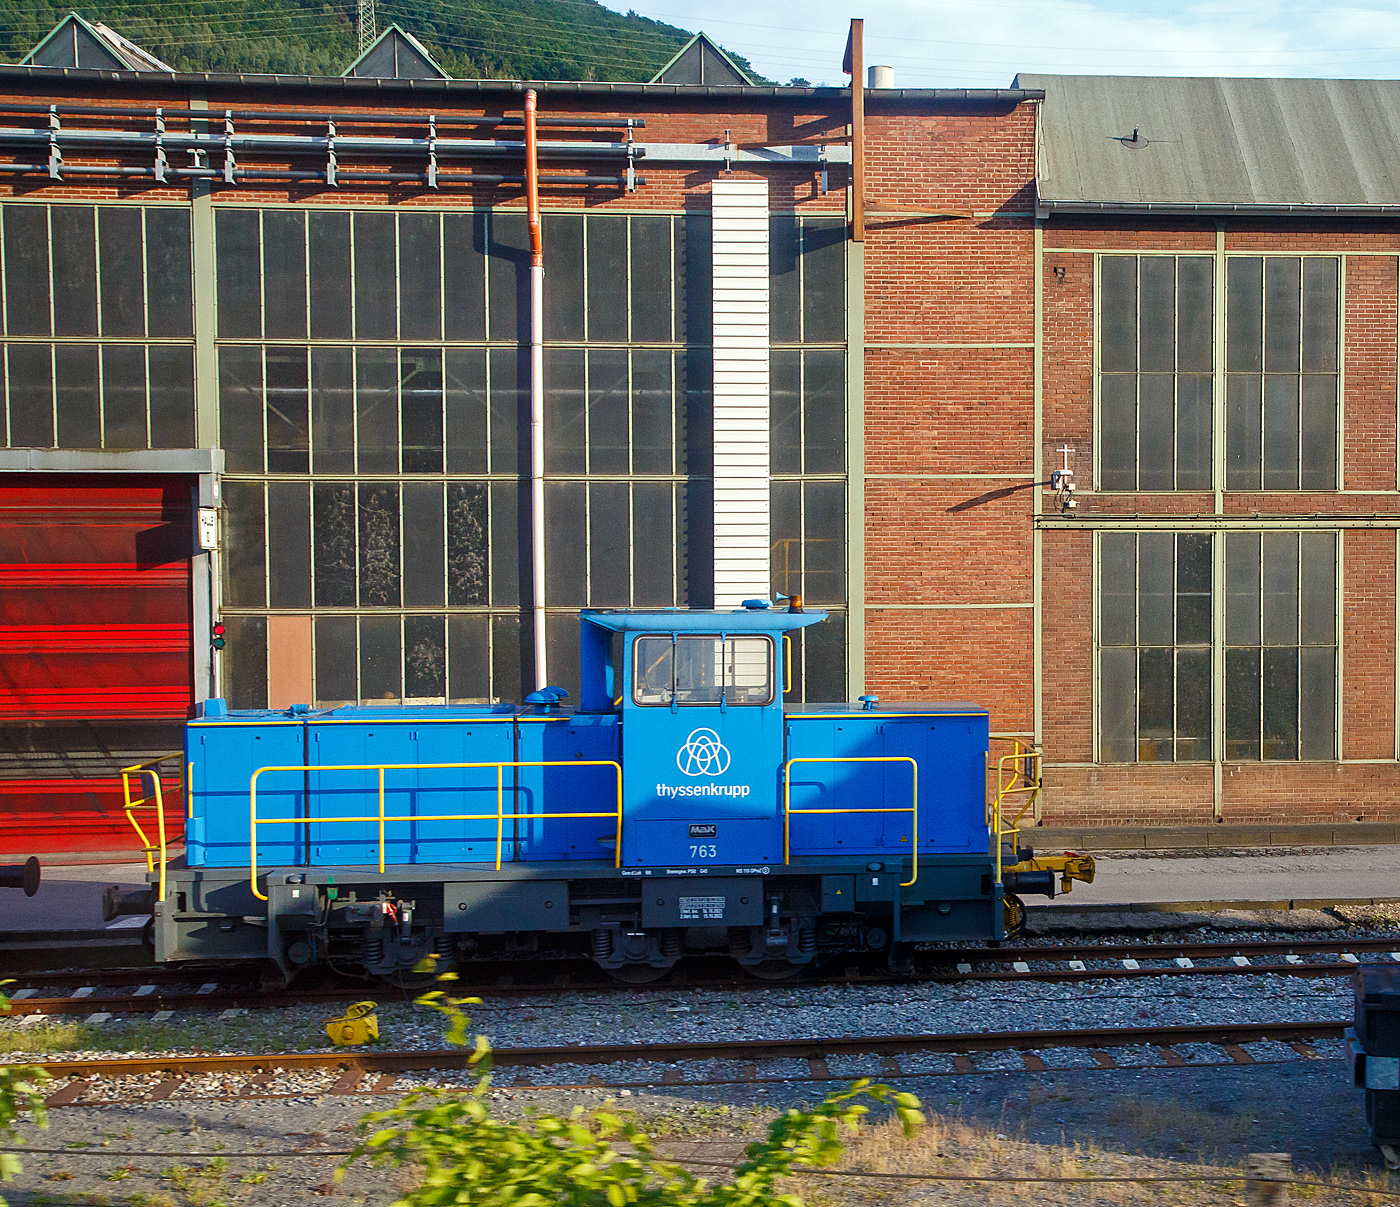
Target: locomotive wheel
[
  {"x": 636, "y": 974},
  {"x": 406, "y": 978},
  {"x": 773, "y": 970},
  {"x": 1014, "y": 915}
]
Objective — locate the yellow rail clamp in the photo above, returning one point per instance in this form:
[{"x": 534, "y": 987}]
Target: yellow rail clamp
[{"x": 358, "y": 1025}]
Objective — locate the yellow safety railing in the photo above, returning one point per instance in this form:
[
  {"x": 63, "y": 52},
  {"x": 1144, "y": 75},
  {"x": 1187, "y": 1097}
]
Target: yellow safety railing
[
  {"x": 787, "y": 664},
  {"x": 1014, "y": 776},
  {"x": 500, "y": 817},
  {"x": 155, "y": 802},
  {"x": 912, "y": 810}
]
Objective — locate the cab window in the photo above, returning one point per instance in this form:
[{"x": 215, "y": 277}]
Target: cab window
[{"x": 702, "y": 670}]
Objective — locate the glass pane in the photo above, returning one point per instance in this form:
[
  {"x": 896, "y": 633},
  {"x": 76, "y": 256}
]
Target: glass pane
[
  {"x": 75, "y": 269},
  {"x": 1193, "y": 737},
  {"x": 376, "y": 283},
  {"x": 1318, "y": 588},
  {"x": 124, "y": 396},
  {"x": 1241, "y": 704},
  {"x": 748, "y": 670},
  {"x": 510, "y": 501},
  {"x": 1118, "y": 432},
  {"x": 565, "y": 415},
  {"x": 1319, "y": 432},
  {"x": 245, "y": 662},
  {"x": 1118, "y": 588},
  {"x": 785, "y": 537},
  {"x": 329, "y": 237},
  {"x": 1118, "y": 307},
  {"x": 284, "y": 274},
  {"x": 824, "y": 540},
  {"x": 699, "y": 670},
  {"x": 694, "y": 273},
  {"x": 420, "y": 277},
  {"x": 823, "y": 281},
  {"x": 423, "y": 547},
  {"x": 1157, "y": 315},
  {"x": 424, "y": 658},
  {"x": 784, "y": 279},
  {"x": 1242, "y": 584},
  {"x": 1282, "y": 302},
  {"x": 512, "y": 658},
  {"x": 464, "y": 285},
  {"x": 27, "y": 270},
  {"x": 1317, "y": 703},
  {"x": 123, "y": 283},
  {"x": 241, "y": 408},
  {"x": 172, "y": 396},
  {"x": 824, "y": 660},
  {"x": 1118, "y": 705},
  {"x": 652, "y": 406},
  {"x": 565, "y": 545},
  {"x": 1156, "y": 588},
  {"x": 244, "y": 538},
  {"x": 468, "y": 658},
  {"x": 289, "y": 545},
  {"x": 695, "y": 411},
  {"x": 1320, "y": 315},
  {"x": 468, "y": 557},
  {"x": 334, "y": 529},
  {"x": 379, "y": 545},
  {"x": 695, "y": 546},
  {"x": 653, "y": 544},
  {"x": 1244, "y": 413},
  {"x": 288, "y": 413},
  {"x": 1193, "y": 432},
  {"x": 607, "y": 277},
  {"x": 609, "y": 554},
  {"x": 651, "y": 278},
  {"x": 31, "y": 395},
  {"x": 607, "y": 409},
  {"x": 1280, "y": 704},
  {"x": 1195, "y": 318},
  {"x": 510, "y": 411},
  {"x": 1155, "y": 706},
  {"x": 333, "y": 410},
  {"x": 239, "y": 269},
  {"x": 785, "y": 411},
  {"x": 78, "y": 396},
  {"x": 381, "y": 658},
  {"x": 169, "y": 273},
  {"x": 377, "y": 409},
  {"x": 1280, "y": 588},
  {"x": 1244, "y": 314},
  {"x": 824, "y": 418},
  {"x": 508, "y": 267},
  {"x": 336, "y": 660},
  {"x": 1193, "y": 554},
  {"x": 1280, "y": 431},
  {"x": 420, "y": 403},
  {"x": 653, "y": 670},
  {"x": 464, "y": 399},
  {"x": 1156, "y": 438},
  {"x": 563, "y": 283}
]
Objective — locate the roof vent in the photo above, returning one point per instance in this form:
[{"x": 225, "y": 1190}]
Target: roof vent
[{"x": 881, "y": 77}]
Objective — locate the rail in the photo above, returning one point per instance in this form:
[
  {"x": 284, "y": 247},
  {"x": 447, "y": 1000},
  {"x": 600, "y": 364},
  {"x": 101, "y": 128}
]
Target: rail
[
  {"x": 156, "y": 802},
  {"x": 912, "y": 810},
  {"x": 1017, "y": 774},
  {"x": 500, "y": 817}
]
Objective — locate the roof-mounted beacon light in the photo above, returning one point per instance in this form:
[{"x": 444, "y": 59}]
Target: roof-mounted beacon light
[
  {"x": 1062, "y": 481},
  {"x": 794, "y": 601}
]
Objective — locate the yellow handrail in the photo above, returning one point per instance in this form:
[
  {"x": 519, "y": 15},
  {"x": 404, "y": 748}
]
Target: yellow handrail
[
  {"x": 1022, "y": 764},
  {"x": 500, "y": 817},
  {"x": 913, "y": 810},
  {"x": 155, "y": 801},
  {"x": 787, "y": 664}
]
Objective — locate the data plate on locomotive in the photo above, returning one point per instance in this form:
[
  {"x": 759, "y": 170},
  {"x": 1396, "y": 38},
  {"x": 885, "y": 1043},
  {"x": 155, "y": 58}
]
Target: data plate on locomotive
[{"x": 703, "y": 901}]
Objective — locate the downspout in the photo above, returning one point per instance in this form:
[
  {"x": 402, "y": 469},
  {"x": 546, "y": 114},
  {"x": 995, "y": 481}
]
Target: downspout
[{"x": 532, "y": 201}]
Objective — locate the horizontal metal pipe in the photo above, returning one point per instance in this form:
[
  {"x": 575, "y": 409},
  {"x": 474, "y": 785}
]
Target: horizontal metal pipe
[{"x": 350, "y": 118}]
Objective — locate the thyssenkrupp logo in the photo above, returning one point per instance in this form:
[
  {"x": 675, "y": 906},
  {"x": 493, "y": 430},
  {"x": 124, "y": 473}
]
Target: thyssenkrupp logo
[{"x": 703, "y": 754}]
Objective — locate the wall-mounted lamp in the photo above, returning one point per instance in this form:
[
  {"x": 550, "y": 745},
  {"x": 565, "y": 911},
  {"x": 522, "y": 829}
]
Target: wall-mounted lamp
[{"x": 1062, "y": 481}]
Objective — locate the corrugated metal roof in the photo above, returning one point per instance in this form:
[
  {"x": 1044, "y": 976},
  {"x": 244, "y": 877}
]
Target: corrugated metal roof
[{"x": 1218, "y": 145}]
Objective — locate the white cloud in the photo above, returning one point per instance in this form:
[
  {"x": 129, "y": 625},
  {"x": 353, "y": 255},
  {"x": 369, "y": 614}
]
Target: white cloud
[{"x": 966, "y": 43}]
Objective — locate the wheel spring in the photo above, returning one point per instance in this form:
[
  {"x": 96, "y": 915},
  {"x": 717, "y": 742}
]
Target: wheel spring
[
  {"x": 602, "y": 944},
  {"x": 374, "y": 949},
  {"x": 672, "y": 945},
  {"x": 442, "y": 946},
  {"x": 807, "y": 941}
]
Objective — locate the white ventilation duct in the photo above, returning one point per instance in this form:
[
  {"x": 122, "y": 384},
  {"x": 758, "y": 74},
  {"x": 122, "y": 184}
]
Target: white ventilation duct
[{"x": 881, "y": 77}]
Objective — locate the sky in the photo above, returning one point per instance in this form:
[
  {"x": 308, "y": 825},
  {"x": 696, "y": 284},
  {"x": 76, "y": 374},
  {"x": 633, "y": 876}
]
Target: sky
[{"x": 984, "y": 43}]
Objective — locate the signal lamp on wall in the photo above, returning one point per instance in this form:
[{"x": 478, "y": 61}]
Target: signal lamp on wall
[{"x": 216, "y": 639}]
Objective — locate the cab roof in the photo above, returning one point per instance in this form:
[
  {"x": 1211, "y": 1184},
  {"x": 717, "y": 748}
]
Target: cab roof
[{"x": 707, "y": 620}]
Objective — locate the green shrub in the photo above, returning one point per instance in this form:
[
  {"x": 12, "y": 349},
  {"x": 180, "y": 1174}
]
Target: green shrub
[
  {"x": 589, "y": 1159},
  {"x": 19, "y": 1092}
]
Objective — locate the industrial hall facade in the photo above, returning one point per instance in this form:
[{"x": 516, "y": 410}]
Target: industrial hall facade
[{"x": 267, "y": 382}]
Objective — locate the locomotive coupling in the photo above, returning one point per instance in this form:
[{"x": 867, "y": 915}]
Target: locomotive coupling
[
  {"x": 358, "y": 1025},
  {"x": 1037, "y": 875}
]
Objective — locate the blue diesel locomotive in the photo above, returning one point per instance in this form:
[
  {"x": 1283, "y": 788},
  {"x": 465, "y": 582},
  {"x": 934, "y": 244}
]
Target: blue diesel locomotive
[{"x": 680, "y": 807}]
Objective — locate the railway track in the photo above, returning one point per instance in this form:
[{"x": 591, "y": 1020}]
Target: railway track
[
  {"x": 149, "y": 991},
  {"x": 642, "y": 1067}
]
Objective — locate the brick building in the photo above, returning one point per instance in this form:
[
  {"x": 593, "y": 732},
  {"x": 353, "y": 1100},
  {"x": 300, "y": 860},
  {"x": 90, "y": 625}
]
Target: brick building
[{"x": 222, "y": 292}]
